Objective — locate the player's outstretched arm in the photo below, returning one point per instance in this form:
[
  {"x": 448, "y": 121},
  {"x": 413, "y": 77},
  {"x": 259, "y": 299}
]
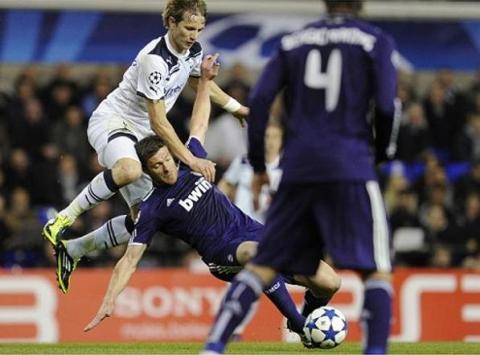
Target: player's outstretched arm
[
  {"x": 161, "y": 126},
  {"x": 202, "y": 107},
  {"x": 122, "y": 272},
  {"x": 222, "y": 99}
]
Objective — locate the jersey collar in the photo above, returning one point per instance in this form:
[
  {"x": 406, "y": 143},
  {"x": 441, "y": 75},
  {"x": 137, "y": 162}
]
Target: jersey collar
[{"x": 172, "y": 50}]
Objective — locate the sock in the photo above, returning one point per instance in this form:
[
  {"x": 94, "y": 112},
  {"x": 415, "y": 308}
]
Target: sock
[
  {"x": 376, "y": 316},
  {"x": 278, "y": 294},
  {"x": 242, "y": 293},
  {"x": 114, "y": 232},
  {"x": 312, "y": 302},
  {"x": 101, "y": 188},
  {"x": 237, "y": 334}
]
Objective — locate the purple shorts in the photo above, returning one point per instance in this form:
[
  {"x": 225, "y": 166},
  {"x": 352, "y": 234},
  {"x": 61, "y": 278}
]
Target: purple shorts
[
  {"x": 345, "y": 220},
  {"x": 224, "y": 253}
]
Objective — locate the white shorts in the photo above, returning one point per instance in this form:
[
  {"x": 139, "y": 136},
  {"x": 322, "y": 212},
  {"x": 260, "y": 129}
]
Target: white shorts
[{"x": 113, "y": 138}]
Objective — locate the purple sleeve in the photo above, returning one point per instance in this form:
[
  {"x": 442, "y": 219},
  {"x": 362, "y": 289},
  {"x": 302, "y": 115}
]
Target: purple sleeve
[
  {"x": 385, "y": 74},
  {"x": 196, "y": 148},
  {"x": 385, "y": 77},
  {"x": 145, "y": 227},
  {"x": 270, "y": 83}
]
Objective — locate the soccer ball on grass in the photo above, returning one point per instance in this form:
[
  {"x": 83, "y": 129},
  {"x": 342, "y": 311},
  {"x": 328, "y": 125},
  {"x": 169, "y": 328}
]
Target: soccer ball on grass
[{"x": 325, "y": 328}]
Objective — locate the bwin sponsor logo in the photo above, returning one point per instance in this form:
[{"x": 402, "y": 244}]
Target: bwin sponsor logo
[{"x": 202, "y": 186}]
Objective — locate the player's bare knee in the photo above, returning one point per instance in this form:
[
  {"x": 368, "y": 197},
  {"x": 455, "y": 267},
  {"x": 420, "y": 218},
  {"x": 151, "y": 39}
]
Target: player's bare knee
[
  {"x": 126, "y": 171},
  {"x": 246, "y": 251},
  {"x": 326, "y": 280}
]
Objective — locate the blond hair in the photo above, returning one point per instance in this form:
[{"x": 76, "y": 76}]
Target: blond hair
[{"x": 178, "y": 8}]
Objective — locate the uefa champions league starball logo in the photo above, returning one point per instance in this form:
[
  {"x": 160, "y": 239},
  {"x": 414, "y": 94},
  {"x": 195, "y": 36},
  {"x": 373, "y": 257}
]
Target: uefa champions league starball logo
[{"x": 155, "y": 77}]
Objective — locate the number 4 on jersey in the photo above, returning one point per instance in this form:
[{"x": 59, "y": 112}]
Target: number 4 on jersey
[{"x": 330, "y": 80}]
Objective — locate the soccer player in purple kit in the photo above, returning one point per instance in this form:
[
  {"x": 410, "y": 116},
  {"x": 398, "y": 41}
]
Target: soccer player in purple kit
[
  {"x": 185, "y": 205},
  {"x": 331, "y": 71}
]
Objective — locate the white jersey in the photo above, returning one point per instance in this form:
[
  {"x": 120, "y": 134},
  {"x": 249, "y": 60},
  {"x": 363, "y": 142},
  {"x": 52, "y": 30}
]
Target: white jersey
[
  {"x": 157, "y": 73},
  {"x": 240, "y": 174}
]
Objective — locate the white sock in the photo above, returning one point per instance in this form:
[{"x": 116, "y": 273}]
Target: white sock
[
  {"x": 114, "y": 232},
  {"x": 101, "y": 188}
]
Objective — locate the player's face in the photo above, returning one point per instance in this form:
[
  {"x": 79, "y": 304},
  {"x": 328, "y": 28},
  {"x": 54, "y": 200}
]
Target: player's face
[
  {"x": 273, "y": 139},
  {"x": 162, "y": 167},
  {"x": 185, "y": 33}
]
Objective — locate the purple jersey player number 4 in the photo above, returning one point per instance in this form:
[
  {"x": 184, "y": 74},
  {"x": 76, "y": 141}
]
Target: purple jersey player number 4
[{"x": 332, "y": 73}]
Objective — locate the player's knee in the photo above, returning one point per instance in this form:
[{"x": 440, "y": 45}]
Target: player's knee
[
  {"x": 126, "y": 171},
  {"x": 334, "y": 283},
  {"x": 325, "y": 281},
  {"x": 246, "y": 251}
]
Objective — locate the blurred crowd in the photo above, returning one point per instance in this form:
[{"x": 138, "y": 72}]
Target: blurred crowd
[{"x": 432, "y": 192}]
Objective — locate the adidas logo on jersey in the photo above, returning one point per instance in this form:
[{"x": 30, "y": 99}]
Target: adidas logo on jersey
[
  {"x": 202, "y": 186},
  {"x": 169, "y": 201}
]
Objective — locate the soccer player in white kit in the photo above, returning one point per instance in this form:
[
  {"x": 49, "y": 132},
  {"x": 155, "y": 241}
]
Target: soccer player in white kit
[
  {"x": 236, "y": 182},
  {"x": 135, "y": 109}
]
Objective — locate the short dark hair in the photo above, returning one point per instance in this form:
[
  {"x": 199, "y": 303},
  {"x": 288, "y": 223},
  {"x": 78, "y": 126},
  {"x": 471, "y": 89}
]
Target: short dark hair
[
  {"x": 178, "y": 8},
  {"x": 355, "y": 5},
  {"x": 147, "y": 148}
]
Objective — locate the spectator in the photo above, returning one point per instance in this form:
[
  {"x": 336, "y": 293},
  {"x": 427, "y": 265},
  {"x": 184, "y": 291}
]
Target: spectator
[
  {"x": 405, "y": 212},
  {"x": 441, "y": 257},
  {"x": 23, "y": 248},
  {"x": 467, "y": 145},
  {"x": 414, "y": 137},
  {"x": 468, "y": 183},
  {"x": 395, "y": 183},
  {"x": 60, "y": 93},
  {"x": 470, "y": 224},
  {"x": 97, "y": 91},
  {"x": 29, "y": 131},
  {"x": 443, "y": 232},
  {"x": 69, "y": 177},
  {"x": 4, "y": 231},
  {"x": 18, "y": 171},
  {"x": 70, "y": 136}
]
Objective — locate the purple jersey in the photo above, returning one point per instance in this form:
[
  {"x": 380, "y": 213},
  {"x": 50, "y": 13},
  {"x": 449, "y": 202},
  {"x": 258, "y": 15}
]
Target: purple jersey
[
  {"x": 193, "y": 210},
  {"x": 331, "y": 72}
]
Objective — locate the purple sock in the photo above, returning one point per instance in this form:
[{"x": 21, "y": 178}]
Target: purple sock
[
  {"x": 245, "y": 289},
  {"x": 376, "y": 316},
  {"x": 312, "y": 302},
  {"x": 278, "y": 294}
]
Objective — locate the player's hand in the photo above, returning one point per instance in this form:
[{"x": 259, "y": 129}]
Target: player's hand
[
  {"x": 210, "y": 67},
  {"x": 105, "y": 311},
  {"x": 258, "y": 180},
  {"x": 204, "y": 167},
  {"x": 241, "y": 115}
]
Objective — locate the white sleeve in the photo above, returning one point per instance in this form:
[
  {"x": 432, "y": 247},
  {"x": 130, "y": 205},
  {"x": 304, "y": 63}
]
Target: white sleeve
[
  {"x": 233, "y": 172},
  {"x": 152, "y": 72}
]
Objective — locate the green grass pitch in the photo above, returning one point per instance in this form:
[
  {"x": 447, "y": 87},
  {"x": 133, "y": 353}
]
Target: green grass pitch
[{"x": 234, "y": 348}]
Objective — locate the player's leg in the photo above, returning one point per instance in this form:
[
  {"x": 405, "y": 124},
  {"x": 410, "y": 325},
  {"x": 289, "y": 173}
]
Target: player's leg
[
  {"x": 376, "y": 312},
  {"x": 359, "y": 239},
  {"x": 123, "y": 168},
  {"x": 276, "y": 291},
  {"x": 68, "y": 253},
  {"x": 278, "y": 250},
  {"x": 320, "y": 288},
  {"x": 114, "y": 232},
  {"x": 377, "y": 303},
  {"x": 243, "y": 292},
  {"x": 117, "y": 230}
]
